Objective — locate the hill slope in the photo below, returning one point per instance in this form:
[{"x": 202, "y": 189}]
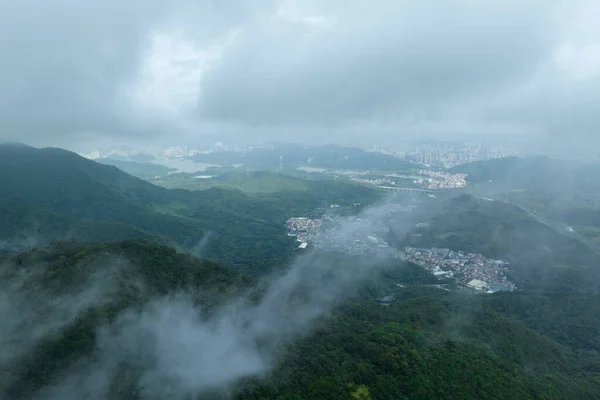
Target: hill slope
[
  {"x": 429, "y": 346},
  {"x": 541, "y": 258},
  {"x": 56, "y": 301},
  {"x": 103, "y": 320},
  {"x": 52, "y": 193},
  {"x": 539, "y": 182}
]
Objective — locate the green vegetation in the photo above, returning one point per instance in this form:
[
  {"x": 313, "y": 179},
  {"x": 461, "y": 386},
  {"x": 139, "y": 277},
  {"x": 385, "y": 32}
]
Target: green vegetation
[
  {"x": 538, "y": 183},
  {"x": 258, "y": 182},
  {"x": 541, "y": 342},
  {"x": 55, "y": 194},
  {"x": 541, "y": 258},
  {"x": 429, "y": 344},
  {"x": 130, "y": 273},
  {"x": 329, "y": 156},
  {"x": 144, "y": 170}
]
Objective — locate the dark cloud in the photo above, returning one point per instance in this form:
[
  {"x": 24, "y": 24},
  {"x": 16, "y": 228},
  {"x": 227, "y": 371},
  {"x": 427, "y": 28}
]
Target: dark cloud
[
  {"x": 61, "y": 63},
  {"x": 76, "y": 72},
  {"x": 399, "y": 59}
]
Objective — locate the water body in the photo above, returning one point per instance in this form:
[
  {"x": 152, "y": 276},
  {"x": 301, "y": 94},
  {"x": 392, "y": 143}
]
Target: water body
[{"x": 183, "y": 165}]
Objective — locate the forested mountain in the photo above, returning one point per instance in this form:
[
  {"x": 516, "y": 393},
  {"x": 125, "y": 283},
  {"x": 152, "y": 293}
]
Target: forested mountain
[
  {"x": 131, "y": 319},
  {"x": 542, "y": 258},
  {"x": 81, "y": 303},
  {"x": 56, "y": 301},
  {"x": 145, "y": 170},
  {"x": 55, "y": 194},
  {"x": 430, "y": 345}
]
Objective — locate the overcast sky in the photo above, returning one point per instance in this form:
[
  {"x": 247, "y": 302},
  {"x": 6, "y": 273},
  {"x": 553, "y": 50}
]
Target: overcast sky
[{"x": 78, "y": 72}]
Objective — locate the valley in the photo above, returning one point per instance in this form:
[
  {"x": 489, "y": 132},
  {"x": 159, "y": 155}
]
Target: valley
[
  {"x": 299, "y": 200},
  {"x": 370, "y": 291}
]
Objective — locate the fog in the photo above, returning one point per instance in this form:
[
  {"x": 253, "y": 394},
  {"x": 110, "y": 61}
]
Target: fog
[
  {"x": 180, "y": 351},
  {"x": 172, "y": 348},
  {"x": 33, "y": 306},
  {"x": 147, "y": 74}
]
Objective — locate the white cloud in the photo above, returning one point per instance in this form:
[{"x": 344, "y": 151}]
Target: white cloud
[{"x": 169, "y": 81}]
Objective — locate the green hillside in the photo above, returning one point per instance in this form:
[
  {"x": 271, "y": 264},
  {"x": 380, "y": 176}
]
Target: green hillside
[
  {"x": 429, "y": 344},
  {"x": 541, "y": 258},
  {"x": 144, "y": 170},
  {"x": 68, "y": 308},
  {"x": 536, "y": 182},
  {"x": 55, "y": 194},
  {"x": 84, "y": 287},
  {"x": 266, "y": 185}
]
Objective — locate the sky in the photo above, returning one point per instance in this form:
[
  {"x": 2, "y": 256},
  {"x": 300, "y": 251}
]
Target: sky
[{"x": 78, "y": 74}]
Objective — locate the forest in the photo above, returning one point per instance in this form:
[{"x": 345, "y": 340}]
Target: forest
[
  {"x": 53, "y": 193},
  {"x": 429, "y": 343},
  {"x": 98, "y": 249}
]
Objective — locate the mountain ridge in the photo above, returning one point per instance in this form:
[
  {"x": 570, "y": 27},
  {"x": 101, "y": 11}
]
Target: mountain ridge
[{"x": 74, "y": 192}]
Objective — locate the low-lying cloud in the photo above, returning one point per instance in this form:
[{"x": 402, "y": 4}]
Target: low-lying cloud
[
  {"x": 178, "y": 350},
  {"x": 31, "y": 309}
]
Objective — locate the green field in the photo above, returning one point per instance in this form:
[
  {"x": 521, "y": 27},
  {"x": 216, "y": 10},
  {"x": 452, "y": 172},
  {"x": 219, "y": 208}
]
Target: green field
[{"x": 249, "y": 182}]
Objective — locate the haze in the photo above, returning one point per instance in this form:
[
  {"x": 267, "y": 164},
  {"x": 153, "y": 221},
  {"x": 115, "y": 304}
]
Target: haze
[
  {"x": 436, "y": 234},
  {"x": 170, "y": 72}
]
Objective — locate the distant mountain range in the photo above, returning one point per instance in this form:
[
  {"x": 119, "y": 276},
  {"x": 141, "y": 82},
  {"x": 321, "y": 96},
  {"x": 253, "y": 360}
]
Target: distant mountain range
[{"x": 328, "y": 156}]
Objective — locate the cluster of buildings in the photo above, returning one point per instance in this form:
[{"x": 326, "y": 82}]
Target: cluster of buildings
[
  {"x": 425, "y": 178},
  {"x": 355, "y": 235},
  {"x": 304, "y": 229},
  {"x": 441, "y": 180},
  {"x": 349, "y": 234},
  {"x": 468, "y": 269},
  {"x": 448, "y": 155}
]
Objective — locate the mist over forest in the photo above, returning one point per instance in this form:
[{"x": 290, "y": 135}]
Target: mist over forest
[{"x": 299, "y": 200}]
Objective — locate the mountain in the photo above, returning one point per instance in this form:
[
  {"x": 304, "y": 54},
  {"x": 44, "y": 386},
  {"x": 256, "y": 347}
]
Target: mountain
[
  {"x": 55, "y": 194},
  {"x": 540, "y": 182},
  {"x": 56, "y": 301},
  {"x": 566, "y": 193},
  {"x": 429, "y": 346},
  {"x": 137, "y": 319},
  {"x": 122, "y": 320},
  {"x": 141, "y": 169},
  {"x": 329, "y": 157},
  {"x": 541, "y": 257}
]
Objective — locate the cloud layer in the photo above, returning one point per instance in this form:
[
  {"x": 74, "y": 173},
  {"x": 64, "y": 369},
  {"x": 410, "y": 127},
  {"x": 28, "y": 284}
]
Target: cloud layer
[
  {"x": 171, "y": 348},
  {"x": 183, "y": 69}
]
